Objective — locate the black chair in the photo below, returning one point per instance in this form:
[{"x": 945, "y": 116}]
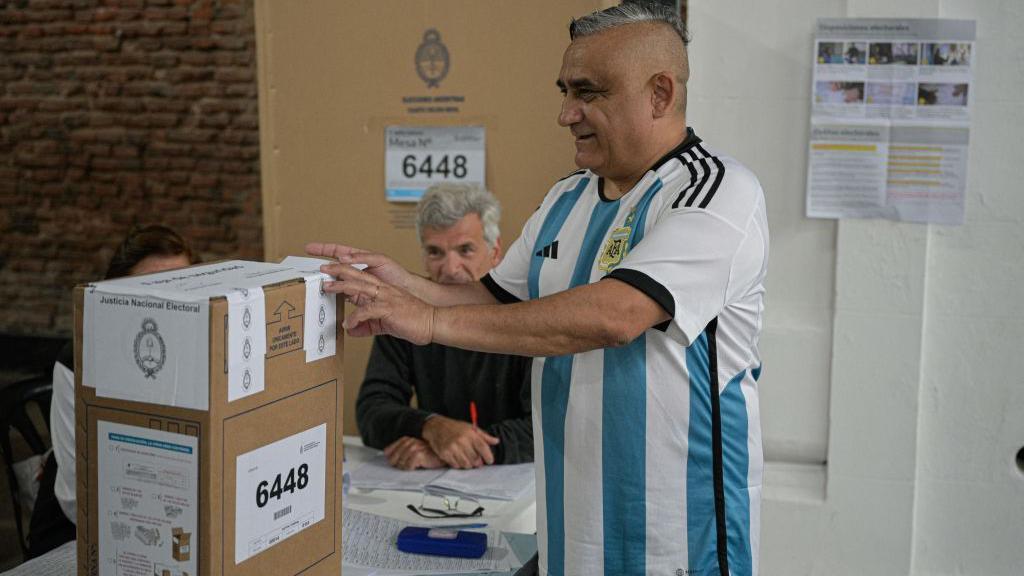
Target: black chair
[{"x": 14, "y": 401}]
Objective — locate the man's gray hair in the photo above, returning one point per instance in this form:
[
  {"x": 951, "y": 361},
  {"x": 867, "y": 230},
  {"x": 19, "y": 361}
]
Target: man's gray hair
[
  {"x": 628, "y": 13},
  {"x": 445, "y": 204}
]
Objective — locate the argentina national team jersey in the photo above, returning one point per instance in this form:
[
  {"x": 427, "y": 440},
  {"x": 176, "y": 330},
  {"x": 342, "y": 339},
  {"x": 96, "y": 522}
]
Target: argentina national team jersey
[{"x": 649, "y": 455}]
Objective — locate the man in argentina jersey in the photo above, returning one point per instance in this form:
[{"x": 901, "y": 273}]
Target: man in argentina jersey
[{"x": 638, "y": 287}]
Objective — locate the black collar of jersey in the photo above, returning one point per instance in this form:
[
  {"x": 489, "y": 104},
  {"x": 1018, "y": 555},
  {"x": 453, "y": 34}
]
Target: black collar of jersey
[{"x": 688, "y": 142}]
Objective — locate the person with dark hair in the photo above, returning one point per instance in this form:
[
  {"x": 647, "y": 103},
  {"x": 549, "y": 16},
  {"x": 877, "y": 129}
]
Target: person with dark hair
[
  {"x": 644, "y": 330},
  {"x": 144, "y": 250},
  {"x": 150, "y": 249}
]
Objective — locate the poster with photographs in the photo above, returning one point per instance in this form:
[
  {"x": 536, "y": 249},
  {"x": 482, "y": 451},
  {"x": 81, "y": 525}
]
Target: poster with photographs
[{"x": 890, "y": 119}]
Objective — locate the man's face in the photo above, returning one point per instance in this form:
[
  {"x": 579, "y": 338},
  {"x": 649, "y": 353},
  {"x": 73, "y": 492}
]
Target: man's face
[
  {"x": 606, "y": 106},
  {"x": 458, "y": 254}
]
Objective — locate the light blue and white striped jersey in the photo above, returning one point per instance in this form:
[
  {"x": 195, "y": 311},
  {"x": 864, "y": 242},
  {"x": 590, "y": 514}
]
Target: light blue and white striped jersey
[{"x": 649, "y": 455}]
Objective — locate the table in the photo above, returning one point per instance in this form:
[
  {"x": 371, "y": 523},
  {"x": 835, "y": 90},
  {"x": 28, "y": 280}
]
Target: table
[
  {"x": 517, "y": 516},
  {"x": 511, "y": 517}
]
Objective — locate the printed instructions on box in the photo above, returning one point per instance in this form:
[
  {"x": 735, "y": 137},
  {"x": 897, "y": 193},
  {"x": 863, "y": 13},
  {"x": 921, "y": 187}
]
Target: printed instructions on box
[
  {"x": 279, "y": 491},
  {"x": 147, "y": 497}
]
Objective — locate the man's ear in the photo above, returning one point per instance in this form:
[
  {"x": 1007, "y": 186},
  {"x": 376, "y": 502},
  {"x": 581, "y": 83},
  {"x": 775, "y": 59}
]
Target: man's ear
[
  {"x": 663, "y": 94},
  {"x": 496, "y": 252}
]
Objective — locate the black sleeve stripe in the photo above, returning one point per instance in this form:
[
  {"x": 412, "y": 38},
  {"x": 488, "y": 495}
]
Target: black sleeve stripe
[
  {"x": 703, "y": 150},
  {"x": 693, "y": 180},
  {"x": 714, "y": 186},
  {"x": 704, "y": 180},
  {"x": 499, "y": 293},
  {"x": 648, "y": 286}
]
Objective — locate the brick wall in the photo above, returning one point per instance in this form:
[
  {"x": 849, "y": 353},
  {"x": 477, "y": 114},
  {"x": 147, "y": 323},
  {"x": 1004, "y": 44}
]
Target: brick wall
[{"x": 114, "y": 113}]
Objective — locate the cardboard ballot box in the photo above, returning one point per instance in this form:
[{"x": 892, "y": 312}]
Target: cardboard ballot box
[
  {"x": 208, "y": 403},
  {"x": 181, "y": 546}
]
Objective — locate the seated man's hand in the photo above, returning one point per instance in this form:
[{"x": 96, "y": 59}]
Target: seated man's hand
[
  {"x": 408, "y": 453},
  {"x": 458, "y": 443}
]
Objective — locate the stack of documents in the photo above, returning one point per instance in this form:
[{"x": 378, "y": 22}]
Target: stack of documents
[
  {"x": 498, "y": 482},
  {"x": 368, "y": 541}
]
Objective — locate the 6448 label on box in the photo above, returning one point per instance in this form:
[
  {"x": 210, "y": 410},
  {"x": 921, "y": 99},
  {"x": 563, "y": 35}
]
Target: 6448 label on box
[{"x": 279, "y": 491}]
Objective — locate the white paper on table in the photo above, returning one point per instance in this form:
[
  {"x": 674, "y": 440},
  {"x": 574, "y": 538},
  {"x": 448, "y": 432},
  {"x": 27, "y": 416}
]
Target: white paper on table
[
  {"x": 369, "y": 541},
  {"x": 377, "y": 474},
  {"x": 499, "y": 482}
]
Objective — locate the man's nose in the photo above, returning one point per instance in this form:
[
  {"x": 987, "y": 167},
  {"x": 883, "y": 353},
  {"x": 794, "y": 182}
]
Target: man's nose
[
  {"x": 570, "y": 113},
  {"x": 451, "y": 264}
]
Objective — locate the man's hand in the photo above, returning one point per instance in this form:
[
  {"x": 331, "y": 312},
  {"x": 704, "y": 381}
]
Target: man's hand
[
  {"x": 383, "y": 306},
  {"x": 382, "y": 309},
  {"x": 459, "y": 444},
  {"x": 385, "y": 269},
  {"x": 408, "y": 453}
]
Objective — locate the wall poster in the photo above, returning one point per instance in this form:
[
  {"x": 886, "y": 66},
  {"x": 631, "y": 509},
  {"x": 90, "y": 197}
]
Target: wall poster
[{"x": 890, "y": 119}]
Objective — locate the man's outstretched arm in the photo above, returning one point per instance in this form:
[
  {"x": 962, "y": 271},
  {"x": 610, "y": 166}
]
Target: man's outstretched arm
[
  {"x": 604, "y": 314},
  {"x": 390, "y": 272}
]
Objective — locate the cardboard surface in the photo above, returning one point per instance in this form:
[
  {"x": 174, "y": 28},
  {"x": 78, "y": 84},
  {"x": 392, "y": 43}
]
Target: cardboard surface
[
  {"x": 297, "y": 396},
  {"x": 334, "y": 75},
  {"x": 181, "y": 543}
]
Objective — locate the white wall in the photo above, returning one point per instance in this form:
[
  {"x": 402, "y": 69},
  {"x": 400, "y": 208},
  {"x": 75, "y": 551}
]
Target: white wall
[
  {"x": 970, "y": 493},
  {"x": 894, "y": 352}
]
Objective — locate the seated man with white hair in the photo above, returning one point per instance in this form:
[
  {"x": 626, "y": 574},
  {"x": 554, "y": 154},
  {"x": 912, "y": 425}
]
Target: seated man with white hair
[{"x": 459, "y": 236}]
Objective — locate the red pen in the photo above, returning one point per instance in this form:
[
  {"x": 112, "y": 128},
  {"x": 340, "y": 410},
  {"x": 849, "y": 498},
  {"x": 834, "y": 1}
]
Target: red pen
[{"x": 472, "y": 412}]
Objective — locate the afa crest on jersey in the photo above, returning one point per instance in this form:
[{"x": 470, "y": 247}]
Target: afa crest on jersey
[
  {"x": 617, "y": 245},
  {"x": 614, "y": 249}
]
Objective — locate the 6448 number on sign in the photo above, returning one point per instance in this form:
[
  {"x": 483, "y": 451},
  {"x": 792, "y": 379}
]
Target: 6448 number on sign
[
  {"x": 417, "y": 157},
  {"x": 280, "y": 490},
  {"x": 428, "y": 165},
  {"x": 294, "y": 480}
]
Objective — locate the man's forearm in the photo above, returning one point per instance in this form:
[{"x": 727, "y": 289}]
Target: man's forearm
[
  {"x": 445, "y": 295},
  {"x": 382, "y": 421},
  {"x": 605, "y": 314}
]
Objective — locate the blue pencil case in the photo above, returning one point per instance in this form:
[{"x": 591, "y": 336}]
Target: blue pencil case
[{"x": 440, "y": 542}]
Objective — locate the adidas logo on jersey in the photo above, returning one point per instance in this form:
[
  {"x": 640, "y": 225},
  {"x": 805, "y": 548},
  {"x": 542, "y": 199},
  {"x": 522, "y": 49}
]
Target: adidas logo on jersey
[{"x": 549, "y": 251}]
